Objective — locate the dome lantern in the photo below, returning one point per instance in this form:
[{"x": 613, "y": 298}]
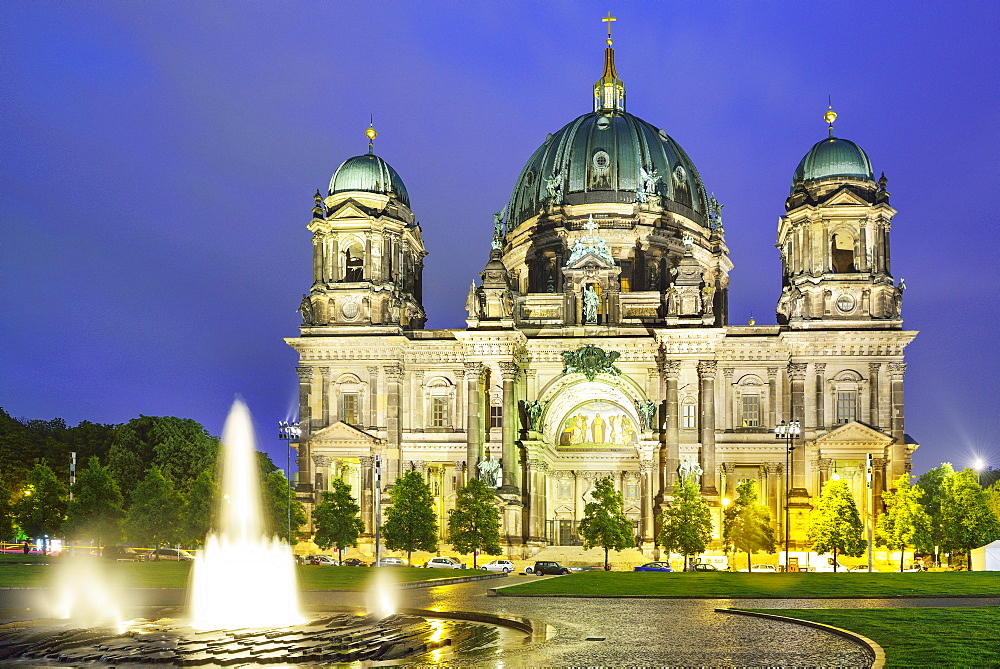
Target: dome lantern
[{"x": 609, "y": 91}]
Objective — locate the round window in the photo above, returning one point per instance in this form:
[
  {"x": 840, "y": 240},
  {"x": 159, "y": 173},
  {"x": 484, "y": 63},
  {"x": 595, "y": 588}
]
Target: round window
[
  {"x": 601, "y": 160},
  {"x": 845, "y": 303},
  {"x": 350, "y": 310},
  {"x": 603, "y": 123}
]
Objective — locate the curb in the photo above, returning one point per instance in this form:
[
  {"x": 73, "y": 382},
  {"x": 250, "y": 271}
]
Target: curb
[
  {"x": 876, "y": 652},
  {"x": 453, "y": 580}
]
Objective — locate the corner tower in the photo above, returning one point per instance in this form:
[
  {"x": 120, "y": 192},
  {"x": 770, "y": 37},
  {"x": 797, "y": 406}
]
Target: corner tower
[
  {"x": 834, "y": 242},
  {"x": 367, "y": 252}
]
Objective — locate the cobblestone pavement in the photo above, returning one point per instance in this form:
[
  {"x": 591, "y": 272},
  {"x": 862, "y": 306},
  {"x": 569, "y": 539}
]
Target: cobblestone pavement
[{"x": 660, "y": 632}]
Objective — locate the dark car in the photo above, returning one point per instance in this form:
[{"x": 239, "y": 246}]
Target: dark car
[
  {"x": 544, "y": 567},
  {"x": 121, "y": 554},
  {"x": 703, "y": 566},
  {"x": 654, "y": 566},
  {"x": 354, "y": 562}
]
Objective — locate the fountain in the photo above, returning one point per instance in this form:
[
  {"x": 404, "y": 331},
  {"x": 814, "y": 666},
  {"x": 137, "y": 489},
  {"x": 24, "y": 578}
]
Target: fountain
[
  {"x": 243, "y": 604},
  {"x": 243, "y": 578}
]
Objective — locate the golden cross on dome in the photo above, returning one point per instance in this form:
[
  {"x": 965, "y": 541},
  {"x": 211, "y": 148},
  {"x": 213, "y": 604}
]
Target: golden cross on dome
[{"x": 608, "y": 19}]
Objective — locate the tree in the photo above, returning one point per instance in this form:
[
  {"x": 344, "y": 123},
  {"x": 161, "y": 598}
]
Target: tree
[
  {"x": 154, "y": 516},
  {"x": 993, "y": 496},
  {"x": 836, "y": 524},
  {"x": 336, "y": 519},
  {"x": 746, "y": 524},
  {"x": 277, "y": 495},
  {"x": 410, "y": 524},
  {"x": 966, "y": 517},
  {"x": 180, "y": 447},
  {"x": 96, "y": 510},
  {"x": 41, "y": 509},
  {"x": 474, "y": 523},
  {"x": 604, "y": 523},
  {"x": 199, "y": 509},
  {"x": 904, "y": 523},
  {"x": 6, "y": 512},
  {"x": 931, "y": 484},
  {"x": 686, "y": 523}
]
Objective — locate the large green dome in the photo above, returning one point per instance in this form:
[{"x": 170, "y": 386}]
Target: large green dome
[
  {"x": 605, "y": 157},
  {"x": 833, "y": 157},
  {"x": 370, "y": 174}
]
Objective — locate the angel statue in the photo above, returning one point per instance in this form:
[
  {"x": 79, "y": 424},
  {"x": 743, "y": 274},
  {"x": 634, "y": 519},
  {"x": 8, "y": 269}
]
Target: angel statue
[
  {"x": 489, "y": 471},
  {"x": 499, "y": 229},
  {"x": 553, "y": 185}
]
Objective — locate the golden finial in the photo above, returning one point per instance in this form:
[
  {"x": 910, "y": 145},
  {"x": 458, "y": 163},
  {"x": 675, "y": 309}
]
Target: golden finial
[
  {"x": 608, "y": 19},
  {"x": 830, "y": 116},
  {"x": 371, "y": 135}
]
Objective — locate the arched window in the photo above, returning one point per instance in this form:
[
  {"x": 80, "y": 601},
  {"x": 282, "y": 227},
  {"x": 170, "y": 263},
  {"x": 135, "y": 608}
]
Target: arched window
[
  {"x": 846, "y": 395},
  {"x": 440, "y": 396},
  {"x": 354, "y": 262},
  {"x": 347, "y": 399},
  {"x": 751, "y": 401},
  {"x": 842, "y": 253}
]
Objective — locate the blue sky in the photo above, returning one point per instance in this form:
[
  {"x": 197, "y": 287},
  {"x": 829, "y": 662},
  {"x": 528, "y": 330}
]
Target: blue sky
[{"x": 159, "y": 161}]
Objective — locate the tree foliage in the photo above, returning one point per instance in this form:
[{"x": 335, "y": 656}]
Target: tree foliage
[
  {"x": 686, "y": 523},
  {"x": 966, "y": 517},
  {"x": 179, "y": 447},
  {"x": 746, "y": 524},
  {"x": 904, "y": 523},
  {"x": 277, "y": 498},
  {"x": 336, "y": 519},
  {"x": 836, "y": 524},
  {"x": 474, "y": 523},
  {"x": 6, "y": 513},
  {"x": 96, "y": 510},
  {"x": 410, "y": 523},
  {"x": 931, "y": 484},
  {"x": 604, "y": 522},
  {"x": 199, "y": 508},
  {"x": 154, "y": 517},
  {"x": 41, "y": 508}
]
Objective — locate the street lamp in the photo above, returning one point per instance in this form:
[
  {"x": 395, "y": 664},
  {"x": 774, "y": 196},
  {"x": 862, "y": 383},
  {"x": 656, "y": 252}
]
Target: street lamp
[
  {"x": 788, "y": 432},
  {"x": 289, "y": 432},
  {"x": 978, "y": 466}
]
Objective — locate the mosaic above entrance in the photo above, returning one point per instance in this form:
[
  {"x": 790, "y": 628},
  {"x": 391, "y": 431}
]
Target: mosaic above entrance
[{"x": 597, "y": 424}]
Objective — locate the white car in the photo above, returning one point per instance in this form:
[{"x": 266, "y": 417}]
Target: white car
[
  {"x": 761, "y": 569},
  {"x": 858, "y": 568},
  {"x": 506, "y": 566},
  {"x": 444, "y": 562},
  {"x": 392, "y": 562}
]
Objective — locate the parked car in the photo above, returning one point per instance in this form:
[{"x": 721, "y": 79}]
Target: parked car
[
  {"x": 545, "y": 567},
  {"x": 761, "y": 569},
  {"x": 393, "y": 562},
  {"x": 444, "y": 562},
  {"x": 354, "y": 562},
  {"x": 592, "y": 567},
  {"x": 654, "y": 566},
  {"x": 121, "y": 554},
  {"x": 720, "y": 562},
  {"x": 322, "y": 560},
  {"x": 506, "y": 566},
  {"x": 176, "y": 554},
  {"x": 915, "y": 567},
  {"x": 703, "y": 566},
  {"x": 862, "y": 568}
]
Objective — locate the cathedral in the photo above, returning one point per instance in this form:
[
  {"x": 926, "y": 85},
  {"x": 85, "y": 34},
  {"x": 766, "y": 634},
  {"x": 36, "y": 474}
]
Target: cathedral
[{"x": 598, "y": 340}]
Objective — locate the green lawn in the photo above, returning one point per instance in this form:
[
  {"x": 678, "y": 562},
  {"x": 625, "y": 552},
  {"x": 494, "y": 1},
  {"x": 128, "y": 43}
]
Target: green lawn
[
  {"x": 945, "y": 637},
  {"x": 175, "y": 575},
  {"x": 725, "y": 584}
]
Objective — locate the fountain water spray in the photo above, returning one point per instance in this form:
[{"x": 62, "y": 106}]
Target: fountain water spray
[{"x": 242, "y": 578}]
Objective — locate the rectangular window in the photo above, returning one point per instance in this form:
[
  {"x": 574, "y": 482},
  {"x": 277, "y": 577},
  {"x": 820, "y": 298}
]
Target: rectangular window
[
  {"x": 350, "y": 408},
  {"x": 751, "y": 410},
  {"x": 496, "y": 416},
  {"x": 847, "y": 406},
  {"x": 439, "y": 412},
  {"x": 690, "y": 416}
]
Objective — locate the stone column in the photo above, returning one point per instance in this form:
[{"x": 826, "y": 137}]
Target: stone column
[
  {"x": 897, "y": 460},
  {"x": 326, "y": 373},
  {"x": 418, "y": 400},
  {"x": 531, "y": 376},
  {"x": 824, "y": 465},
  {"x": 646, "y": 484},
  {"x": 797, "y": 376},
  {"x": 535, "y": 494},
  {"x": 820, "y": 368},
  {"x": 730, "y": 469},
  {"x": 772, "y": 395},
  {"x": 332, "y": 272},
  {"x": 875, "y": 416},
  {"x": 706, "y": 377},
  {"x": 511, "y": 468},
  {"x": 373, "y": 396},
  {"x": 474, "y": 434},
  {"x": 391, "y": 467},
  {"x": 772, "y": 470},
  {"x": 305, "y": 424},
  {"x": 367, "y": 494},
  {"x": 317, "y": 241},
  {"x": 460, "y": 393},
  {"x": 670, "y": 457},
  {"x": 728, "y": 410}
]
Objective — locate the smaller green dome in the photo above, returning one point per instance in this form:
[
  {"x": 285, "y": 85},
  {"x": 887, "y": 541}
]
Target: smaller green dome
[
  {"x": 833, "y": 157},
  {"x": 369, "y": 174}
]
